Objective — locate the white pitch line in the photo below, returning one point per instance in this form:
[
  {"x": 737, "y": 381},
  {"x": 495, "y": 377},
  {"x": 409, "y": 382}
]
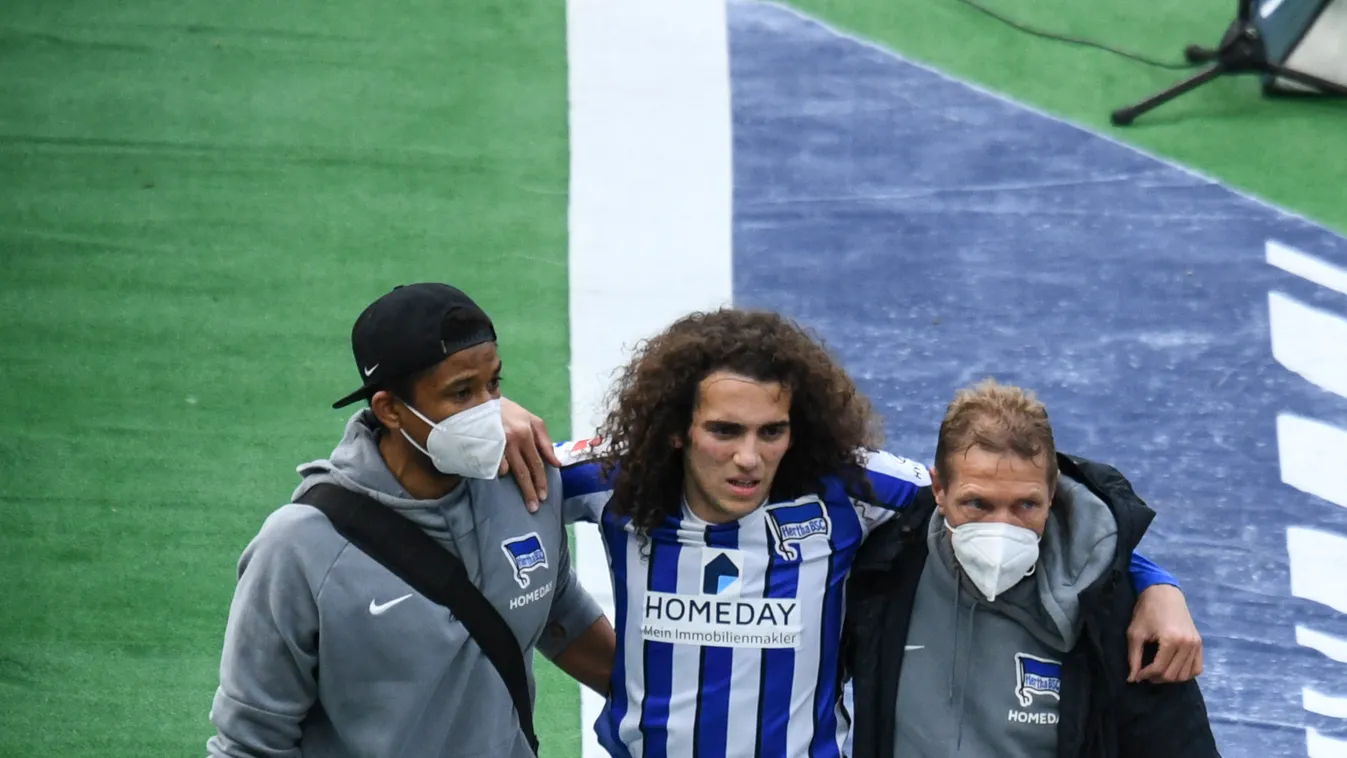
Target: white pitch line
[
  {"x": 1306, "y": 266},
  {"x": 650, "y": 202}
]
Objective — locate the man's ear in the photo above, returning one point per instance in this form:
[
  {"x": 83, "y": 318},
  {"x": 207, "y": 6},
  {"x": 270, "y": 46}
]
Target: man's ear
[
  {"x": 938, "y": 489},
  {"x": 387, "y": 409}
]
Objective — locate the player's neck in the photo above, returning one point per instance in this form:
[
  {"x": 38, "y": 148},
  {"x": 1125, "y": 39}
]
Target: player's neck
[
  {"x": 413, "y": 471},
  {"x": 693, "y": 513},
  {"x": 701, "y": 509}
]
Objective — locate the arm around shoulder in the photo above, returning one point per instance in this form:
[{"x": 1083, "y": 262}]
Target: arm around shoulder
[
  {"x": 579, "y": 638},
  {"x": 585, "y": 488},
  {"x": 269, "y": 663}
]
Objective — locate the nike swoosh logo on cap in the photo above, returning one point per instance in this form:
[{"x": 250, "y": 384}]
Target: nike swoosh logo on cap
[{"x": 371, "y": 369}]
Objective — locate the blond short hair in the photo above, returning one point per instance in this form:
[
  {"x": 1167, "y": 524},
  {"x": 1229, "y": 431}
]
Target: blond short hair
[{"x": 1000, "y": 419}]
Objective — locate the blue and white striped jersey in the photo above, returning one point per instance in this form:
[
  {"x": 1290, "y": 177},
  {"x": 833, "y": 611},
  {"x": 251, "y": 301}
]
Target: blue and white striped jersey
[{"x": 728, "y": 634}]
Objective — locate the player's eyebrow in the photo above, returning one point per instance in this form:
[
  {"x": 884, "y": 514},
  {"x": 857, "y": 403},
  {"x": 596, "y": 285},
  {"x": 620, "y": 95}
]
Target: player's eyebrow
[
  {"x": 725, "y": 426},
  {"x": 467, "y": 377}
]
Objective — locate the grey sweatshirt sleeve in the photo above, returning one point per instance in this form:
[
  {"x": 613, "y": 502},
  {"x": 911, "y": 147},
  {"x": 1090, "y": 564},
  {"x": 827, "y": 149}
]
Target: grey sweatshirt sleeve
[
  {"x": 573, "y": 609},
  {"x": 269, "y": 666}
]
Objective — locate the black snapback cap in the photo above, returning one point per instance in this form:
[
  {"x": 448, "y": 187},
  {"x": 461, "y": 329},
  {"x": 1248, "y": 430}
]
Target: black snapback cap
[{"x": 410, "y": 329}]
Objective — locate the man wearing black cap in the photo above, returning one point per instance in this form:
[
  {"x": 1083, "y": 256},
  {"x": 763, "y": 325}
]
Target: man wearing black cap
[{"x": 328, "y": 653}]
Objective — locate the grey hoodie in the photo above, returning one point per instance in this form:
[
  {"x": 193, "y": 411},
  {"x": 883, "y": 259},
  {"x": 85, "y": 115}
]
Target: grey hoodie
[
  {"x": 328, "y": 654},
  {"x": 983, "y": 679}
]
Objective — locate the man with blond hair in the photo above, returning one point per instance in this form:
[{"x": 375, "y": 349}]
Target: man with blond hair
[{"x": 990, "y": 617}]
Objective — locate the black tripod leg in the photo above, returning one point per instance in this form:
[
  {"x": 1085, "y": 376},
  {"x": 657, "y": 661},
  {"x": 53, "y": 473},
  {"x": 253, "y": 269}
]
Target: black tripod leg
[
  {"x": 1198, "y": 54},
  {"x": 1325, "y": 87},
  {"x": 1125, "y": 116}
]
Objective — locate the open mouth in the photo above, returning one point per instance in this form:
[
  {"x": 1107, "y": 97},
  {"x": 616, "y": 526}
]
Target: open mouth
[{"x": 744, "y": 487}]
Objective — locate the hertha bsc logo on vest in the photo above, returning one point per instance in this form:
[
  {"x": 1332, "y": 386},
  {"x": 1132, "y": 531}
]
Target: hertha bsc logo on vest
[
  {"x": 526, "y": 554},
  {"x": 1036, "y": 676}
]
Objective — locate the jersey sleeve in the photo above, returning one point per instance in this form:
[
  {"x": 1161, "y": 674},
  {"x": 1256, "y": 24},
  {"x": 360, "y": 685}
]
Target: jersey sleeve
[
  {"x": 1146, "y": 574},
  {"x": 894, "y": 483},
  {"x": 584, "y": 489}
]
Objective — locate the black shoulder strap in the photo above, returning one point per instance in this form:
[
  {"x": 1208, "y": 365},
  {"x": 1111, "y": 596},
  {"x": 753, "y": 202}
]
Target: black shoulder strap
[{"x": 414, "y": 556}]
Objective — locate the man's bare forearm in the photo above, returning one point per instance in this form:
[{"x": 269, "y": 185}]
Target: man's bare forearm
[{"x": 589, "y": 659}]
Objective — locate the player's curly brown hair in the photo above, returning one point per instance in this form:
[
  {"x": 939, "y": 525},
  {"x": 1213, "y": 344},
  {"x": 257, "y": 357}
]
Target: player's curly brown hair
[{"x": 651, "y": 405}]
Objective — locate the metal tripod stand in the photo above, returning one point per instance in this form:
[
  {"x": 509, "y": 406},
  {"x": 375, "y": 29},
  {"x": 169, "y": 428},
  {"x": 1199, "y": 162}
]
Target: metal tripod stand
[{"x": 1241, "y": 51}]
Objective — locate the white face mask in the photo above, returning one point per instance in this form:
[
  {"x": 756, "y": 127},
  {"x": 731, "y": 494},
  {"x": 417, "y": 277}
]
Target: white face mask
[
  {"x": 994, "y": 555},
  {"x": 470, "y": 443}
]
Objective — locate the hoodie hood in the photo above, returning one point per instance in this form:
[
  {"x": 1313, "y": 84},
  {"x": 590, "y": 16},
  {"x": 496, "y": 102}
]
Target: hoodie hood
[
  {"x": 1079, "y": 545},
  {"x": 357, "y": 465}
]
